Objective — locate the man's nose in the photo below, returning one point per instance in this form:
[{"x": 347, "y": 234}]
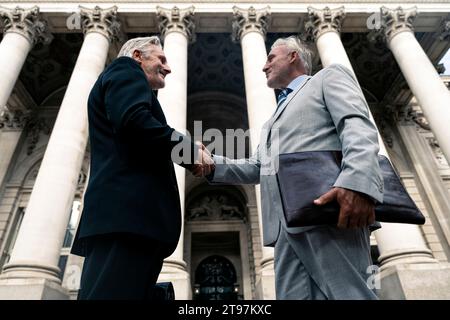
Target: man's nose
[
  {"x": 167, "y": 69},
  {"x": 265, "y": 68}
]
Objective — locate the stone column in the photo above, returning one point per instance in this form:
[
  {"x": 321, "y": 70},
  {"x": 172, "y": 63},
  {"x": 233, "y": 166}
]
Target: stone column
[
  {"x": 34, "y": 260},
  {"x": 400, "y": 245},
  {"x": 177, "y": 31},
  {"x": 249, "y": 28},
  {"x": 420, "y": 74},
  {"x": 11, "y": 128},
  {"x": 423, "y": 160},
  {"x": 408, "y": 270},
  {"x": 23, "y": 28},
  {"x": 325, "y": 28}
]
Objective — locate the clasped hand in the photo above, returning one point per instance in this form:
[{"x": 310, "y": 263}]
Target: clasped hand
[{"x": 204, "y": 164}]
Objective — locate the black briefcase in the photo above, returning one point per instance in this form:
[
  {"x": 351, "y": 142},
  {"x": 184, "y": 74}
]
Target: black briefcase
[{"x": 305, "y": 176}]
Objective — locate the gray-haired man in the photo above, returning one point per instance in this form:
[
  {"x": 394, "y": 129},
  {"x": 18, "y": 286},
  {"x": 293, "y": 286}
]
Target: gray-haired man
[
  {"x": 131, "y": 217},
  {"x": 324, "y": 112}
]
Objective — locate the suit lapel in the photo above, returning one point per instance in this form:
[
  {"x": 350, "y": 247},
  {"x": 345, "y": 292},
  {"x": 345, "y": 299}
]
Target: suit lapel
[{"x": 284, "y": 105}]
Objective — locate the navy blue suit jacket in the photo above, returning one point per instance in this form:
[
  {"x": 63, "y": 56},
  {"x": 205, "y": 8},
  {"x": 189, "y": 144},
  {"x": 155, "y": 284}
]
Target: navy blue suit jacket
[{"x": 132, "y": 186}]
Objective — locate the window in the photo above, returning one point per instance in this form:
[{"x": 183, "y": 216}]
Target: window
[
  {"x": 62, "y": 265},
  {"x": 72, "y": 226},
  {"x": 11, "y": 240},
  {"x": 215, "y": 279}
]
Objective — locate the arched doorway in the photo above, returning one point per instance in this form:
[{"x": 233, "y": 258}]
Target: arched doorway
[
  {"x": 215, "y": 279},
  {"x": 217, "y": 224}
]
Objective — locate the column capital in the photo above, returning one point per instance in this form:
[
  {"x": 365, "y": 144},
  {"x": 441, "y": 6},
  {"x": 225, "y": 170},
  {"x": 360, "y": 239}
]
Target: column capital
[
  {"x": 13, "y": 120},
  {"x": 248, "y": 20},
  {"x": 26, "y": 22},
  {"x": 103, "y": 21},
  {"x": 395, "y": 21},
  {"x": 176, "y": 20},
  {"x": 326, "y": 20}
]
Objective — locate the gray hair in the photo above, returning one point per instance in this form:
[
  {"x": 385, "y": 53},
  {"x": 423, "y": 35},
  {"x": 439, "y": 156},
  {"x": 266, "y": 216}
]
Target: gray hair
[
  {"x": 141, "y": 44},
  {"x": 293, "y": 43}
]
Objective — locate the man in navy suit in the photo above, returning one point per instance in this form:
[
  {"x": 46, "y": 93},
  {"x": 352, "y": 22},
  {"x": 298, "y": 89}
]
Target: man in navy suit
[{"x": 131, "y": 217}]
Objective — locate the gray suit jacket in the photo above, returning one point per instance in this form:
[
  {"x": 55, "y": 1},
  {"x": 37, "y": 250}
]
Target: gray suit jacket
[{"x": 327, "y": 112}]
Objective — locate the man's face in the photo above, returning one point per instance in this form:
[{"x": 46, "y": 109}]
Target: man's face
[
  {"x": 154, "y": 64},
  {"x": 277, "y": 67}
]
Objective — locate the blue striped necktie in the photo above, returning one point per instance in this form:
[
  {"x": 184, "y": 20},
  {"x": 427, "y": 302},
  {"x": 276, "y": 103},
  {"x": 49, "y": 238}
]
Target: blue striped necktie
[{"x": 282, "y": 96}]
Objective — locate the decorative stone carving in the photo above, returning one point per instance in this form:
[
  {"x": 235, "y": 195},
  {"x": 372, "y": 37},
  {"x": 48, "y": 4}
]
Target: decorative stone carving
[
  {"x": 445, "y": 30},
  {"x": 13, "y": 120},
  {"x": 175, "y": 19},
  {"x": 419, "y": 118},
  {"x": 32, "y": 175},
  {"x": 405, "y": 115},
  {"x": 395, "y": 21},
  {"x": 412, "y": 114},
  {"x": 439, "y": 155},
  {"x": 215, "y": 206},
  {"x": 35, "y": 126},
  {"x": 322, "y": 21},
  {"x": 100, "y": 20},
  {"x": 26, "y": 22},
  {"x": 249, "y": 20}
]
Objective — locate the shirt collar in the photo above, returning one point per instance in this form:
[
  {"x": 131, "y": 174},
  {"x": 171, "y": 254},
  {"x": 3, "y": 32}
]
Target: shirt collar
[{"x": 294, "y": 84}]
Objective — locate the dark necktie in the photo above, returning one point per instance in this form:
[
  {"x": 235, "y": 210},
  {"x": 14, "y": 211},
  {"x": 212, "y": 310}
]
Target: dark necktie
[{"x": 282, "y": 96}]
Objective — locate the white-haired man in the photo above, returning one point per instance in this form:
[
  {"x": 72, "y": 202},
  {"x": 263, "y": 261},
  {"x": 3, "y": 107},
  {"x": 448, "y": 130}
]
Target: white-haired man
[
  {"x": 320, "y": 113},
  {"x": 131, "y": 217}
]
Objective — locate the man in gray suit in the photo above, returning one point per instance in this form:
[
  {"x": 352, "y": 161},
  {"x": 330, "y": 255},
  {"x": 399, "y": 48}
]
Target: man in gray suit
[{"x": 324, "y": 112}]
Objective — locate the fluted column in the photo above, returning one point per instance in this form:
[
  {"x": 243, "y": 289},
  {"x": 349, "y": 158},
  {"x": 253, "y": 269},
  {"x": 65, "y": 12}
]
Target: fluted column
[
  {"x": 405, "y": 258},
  {"x": 23, "y": 28},
  {"x": 420, "y": 74},
  {"x": 325, "y": 26},
  {"x": 11, "y": 127},
  {"x": 38, "y": 245},
  {"x": 409, "y": 120},
  {"x": 177, "y": 31},
  {"x": 249, "y": 28}
]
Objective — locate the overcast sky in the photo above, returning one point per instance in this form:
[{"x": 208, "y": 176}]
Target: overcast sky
[{"x": 446, "y": 61}]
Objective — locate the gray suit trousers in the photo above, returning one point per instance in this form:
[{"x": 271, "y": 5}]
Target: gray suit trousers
[{"x": 325, "y": 263}]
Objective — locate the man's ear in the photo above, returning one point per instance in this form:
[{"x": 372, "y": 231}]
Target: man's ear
[
  {"x": 137, "y": 55},
  {"x": 292, "y": 56}
]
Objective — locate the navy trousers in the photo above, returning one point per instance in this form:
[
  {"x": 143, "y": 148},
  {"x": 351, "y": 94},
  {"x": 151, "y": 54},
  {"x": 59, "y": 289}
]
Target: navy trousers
[{"x": 121, "y": 267}]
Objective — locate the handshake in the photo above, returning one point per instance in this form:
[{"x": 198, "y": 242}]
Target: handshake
[{"x": 204, "y": 164}]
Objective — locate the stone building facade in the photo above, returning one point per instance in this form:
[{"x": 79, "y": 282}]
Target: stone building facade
[{"x": 52, "y": 52}]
